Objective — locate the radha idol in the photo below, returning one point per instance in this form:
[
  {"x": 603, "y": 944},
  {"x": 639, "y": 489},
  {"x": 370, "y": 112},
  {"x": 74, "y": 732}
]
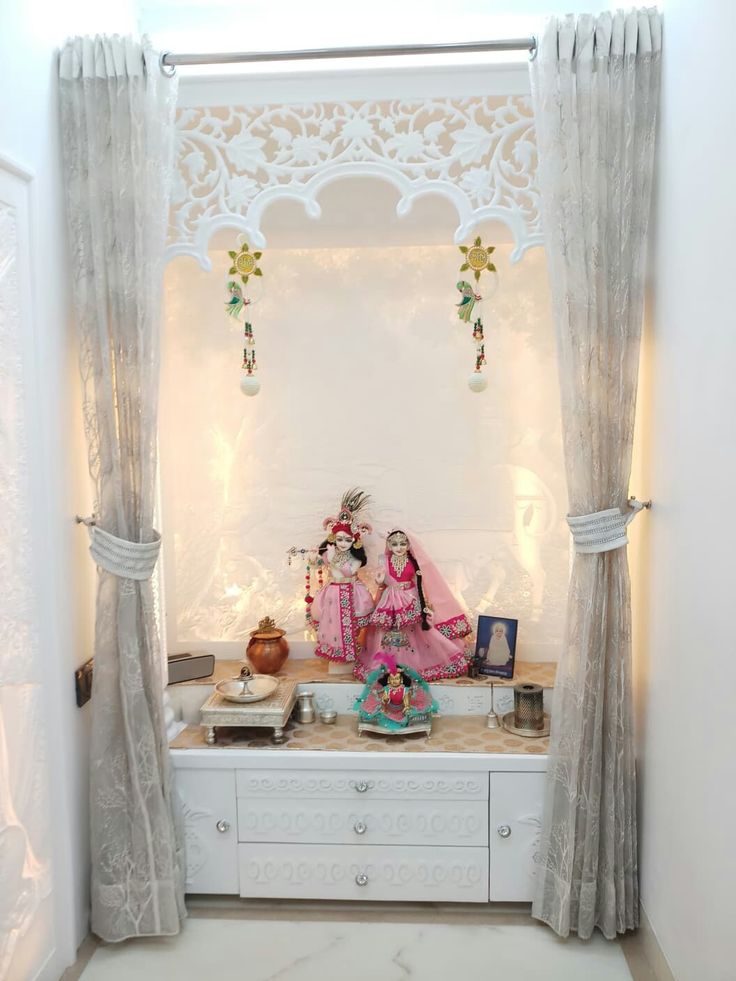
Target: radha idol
[
  {"x": 342, "y": 608},
  {"x": 416, "y": 617}
]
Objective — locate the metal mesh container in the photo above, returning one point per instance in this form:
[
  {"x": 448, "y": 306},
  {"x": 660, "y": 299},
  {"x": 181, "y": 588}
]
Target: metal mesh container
[{"x": 529, "y": 707}]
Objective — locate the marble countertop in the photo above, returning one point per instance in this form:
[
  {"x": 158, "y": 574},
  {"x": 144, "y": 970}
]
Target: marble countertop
[
  {"x": 313, "y": 670},
  {"x": 450, "y": 734}
]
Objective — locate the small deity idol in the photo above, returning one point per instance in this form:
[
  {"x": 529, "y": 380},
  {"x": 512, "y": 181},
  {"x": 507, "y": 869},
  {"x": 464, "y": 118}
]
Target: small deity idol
[
  {"x": 342, "y": 608},
  {"x": 416, "y": 614},
  {"x": 397, "y": 690},
  {"x": 395, "y": 697}
]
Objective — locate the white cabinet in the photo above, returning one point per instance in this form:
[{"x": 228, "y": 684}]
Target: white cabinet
[
  {"x": 516, "y": 802},
  {"x": 210, "y": 830},
  {"x": 357, "y": 828}
]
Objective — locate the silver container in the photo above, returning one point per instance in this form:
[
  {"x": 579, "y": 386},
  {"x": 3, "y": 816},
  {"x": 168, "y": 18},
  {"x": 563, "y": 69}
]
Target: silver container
[
  {"x": 529, "y": 707},
  {"x": 329, "y": 718},
  {"x": 305, "y": 707}
]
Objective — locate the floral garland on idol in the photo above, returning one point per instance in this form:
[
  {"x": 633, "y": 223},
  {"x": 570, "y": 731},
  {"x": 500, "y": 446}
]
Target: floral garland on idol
[
  {"x": 244, "y": 265},
  {"x": 476, "y": 257},
  {"x": 313, "y": 563}
]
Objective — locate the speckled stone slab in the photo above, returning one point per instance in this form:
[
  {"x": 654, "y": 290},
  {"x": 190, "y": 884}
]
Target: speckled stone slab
[
  {"x": 450, "y": 734},
  {"x": 310, "y": 671}
]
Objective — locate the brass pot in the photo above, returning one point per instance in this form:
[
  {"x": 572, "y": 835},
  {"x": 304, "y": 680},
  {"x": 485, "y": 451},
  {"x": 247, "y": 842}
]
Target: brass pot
[{"x": 267, "y": 650}]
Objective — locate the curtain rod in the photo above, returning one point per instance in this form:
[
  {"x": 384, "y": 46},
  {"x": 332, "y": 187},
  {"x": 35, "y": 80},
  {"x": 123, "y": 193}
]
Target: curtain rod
[{"x": 170, "y": 61}]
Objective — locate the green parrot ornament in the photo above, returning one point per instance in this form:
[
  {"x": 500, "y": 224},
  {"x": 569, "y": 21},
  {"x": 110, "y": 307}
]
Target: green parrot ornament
[
  {"x": 468, "y": 301},
  {"x": 237, "y": 302}
]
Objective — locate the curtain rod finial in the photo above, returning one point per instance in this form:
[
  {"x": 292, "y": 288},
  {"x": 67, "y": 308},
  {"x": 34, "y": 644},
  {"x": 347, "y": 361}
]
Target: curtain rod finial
[{"x": 168, "y": 70}]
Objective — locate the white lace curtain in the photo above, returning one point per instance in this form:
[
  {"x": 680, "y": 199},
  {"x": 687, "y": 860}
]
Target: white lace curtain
[
  {"x": 25, "y": 819},
  {"x": 118, "y": 122},
  {"x": 595, "y": 85}
]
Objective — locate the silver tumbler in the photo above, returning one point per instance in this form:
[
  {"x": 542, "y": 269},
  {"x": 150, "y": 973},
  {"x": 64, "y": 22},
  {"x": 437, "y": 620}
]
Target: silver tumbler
[{"x": 305, "y": 707}]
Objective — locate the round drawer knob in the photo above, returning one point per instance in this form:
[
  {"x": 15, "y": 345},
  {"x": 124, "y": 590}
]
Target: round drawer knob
[
  {"x": 504, "y": 831},
  {"x": 360, "y": 828},
  {"x": 361, "y": 879},
  {"x": 223, "y": 826}
]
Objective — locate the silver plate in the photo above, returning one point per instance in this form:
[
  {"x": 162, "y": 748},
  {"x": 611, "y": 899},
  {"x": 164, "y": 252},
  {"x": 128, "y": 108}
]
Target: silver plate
[
  {"x": 508, "y": 724},
  {"x": 256, "y": 688}
]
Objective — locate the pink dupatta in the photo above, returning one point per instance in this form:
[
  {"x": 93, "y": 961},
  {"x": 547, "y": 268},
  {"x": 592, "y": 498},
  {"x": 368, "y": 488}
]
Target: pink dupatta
[{"x": 448, "y": 616}]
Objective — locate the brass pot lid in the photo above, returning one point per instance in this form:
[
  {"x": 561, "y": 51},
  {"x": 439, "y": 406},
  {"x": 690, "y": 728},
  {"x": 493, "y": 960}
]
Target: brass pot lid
[{"x": 267, "y": 630}]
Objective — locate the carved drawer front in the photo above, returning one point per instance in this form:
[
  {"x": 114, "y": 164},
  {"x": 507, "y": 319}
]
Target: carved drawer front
[
  {"x": 360, "y": 784},
  {"x": 370, "y": 873},
  {"x": 210, "y": 829},
  {"x": 515, "y": 830},
  {"x": 363, "y": 822}
]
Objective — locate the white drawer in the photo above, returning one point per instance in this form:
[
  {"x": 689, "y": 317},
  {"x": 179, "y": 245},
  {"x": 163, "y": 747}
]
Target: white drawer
[
  {"x": 372, "y": 872},
  {"x": 363, "y": 822},
  {"x": 361, "y": 784}
]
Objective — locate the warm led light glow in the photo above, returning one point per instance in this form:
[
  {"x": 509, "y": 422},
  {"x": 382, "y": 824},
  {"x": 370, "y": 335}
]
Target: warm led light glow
[{"x": 364, "y": 373}]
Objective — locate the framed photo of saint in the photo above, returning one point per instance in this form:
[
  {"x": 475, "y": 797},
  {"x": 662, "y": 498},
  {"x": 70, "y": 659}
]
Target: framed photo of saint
[{"x": 495, "y": 646}]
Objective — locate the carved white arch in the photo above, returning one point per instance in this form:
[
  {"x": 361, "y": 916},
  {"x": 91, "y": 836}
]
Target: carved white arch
[{"x": 234, "y": 162}]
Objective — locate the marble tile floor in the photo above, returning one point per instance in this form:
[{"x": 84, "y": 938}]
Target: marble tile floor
[{"x": 316, "y": 941}]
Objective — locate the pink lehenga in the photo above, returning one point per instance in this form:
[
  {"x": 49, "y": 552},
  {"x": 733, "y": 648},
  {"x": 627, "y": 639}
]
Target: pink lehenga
[
  {"x": 342, "y": 608},
  {"x": 340, "y": 611},
  {"x": 396, "y": 622}
]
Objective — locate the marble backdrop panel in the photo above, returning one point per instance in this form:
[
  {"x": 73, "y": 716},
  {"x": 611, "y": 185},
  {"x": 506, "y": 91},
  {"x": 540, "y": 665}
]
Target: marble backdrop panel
[{"x": 363, "y": 367}]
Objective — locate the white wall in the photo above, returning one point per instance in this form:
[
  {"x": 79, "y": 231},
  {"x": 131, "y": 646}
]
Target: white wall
[
  {"x": 685, "y": 656},
  {"x": 31, "y": 31},
  {"x": 685, "y": 651}
]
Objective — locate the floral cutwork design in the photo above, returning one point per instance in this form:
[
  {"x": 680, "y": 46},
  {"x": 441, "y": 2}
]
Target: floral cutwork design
[{"x": 480, "y": 152}]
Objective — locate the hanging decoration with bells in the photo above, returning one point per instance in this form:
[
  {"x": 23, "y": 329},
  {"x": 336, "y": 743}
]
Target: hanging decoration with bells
[
  {"x": 477, "y": 259},
  {"x": 244, "y": 265},
  {"x": 313, "y": 561}
]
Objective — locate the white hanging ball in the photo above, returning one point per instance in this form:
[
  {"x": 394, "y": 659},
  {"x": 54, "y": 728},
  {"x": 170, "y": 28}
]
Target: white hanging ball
[
  {"x": 477, "y": 382},
  {"x": 249, "y": 385}
]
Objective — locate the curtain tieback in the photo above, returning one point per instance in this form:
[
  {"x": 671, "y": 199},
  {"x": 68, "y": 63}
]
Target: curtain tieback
[
  {"x": 128, "y": 560},
  {"x": 604, "y": 531}
]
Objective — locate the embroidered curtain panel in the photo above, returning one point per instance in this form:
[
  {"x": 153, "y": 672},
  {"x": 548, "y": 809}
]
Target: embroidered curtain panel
[
  {"x": 117, "y": 117},
  {"x": 595, "y": 85},
  {"x": 26, "y": 878}
]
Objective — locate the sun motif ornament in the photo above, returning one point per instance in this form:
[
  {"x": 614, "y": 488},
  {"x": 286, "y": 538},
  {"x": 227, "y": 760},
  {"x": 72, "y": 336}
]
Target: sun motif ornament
[
  {"x": 244, "y": 265},
  {"x": 477, "y": 259}
]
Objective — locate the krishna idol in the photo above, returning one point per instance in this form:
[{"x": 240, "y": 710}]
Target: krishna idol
[{"x": 342, "y": 608}]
